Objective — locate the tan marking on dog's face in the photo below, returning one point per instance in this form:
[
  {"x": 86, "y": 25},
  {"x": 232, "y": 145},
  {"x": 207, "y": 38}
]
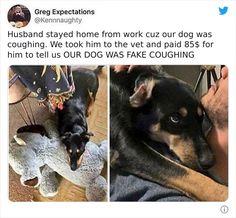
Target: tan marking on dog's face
[
  {"x": 183, "y": 111},
  {"x": 199, "y": 111},
  {"x": 79, "y": 160},
  {"x": 183, "y": 148}
]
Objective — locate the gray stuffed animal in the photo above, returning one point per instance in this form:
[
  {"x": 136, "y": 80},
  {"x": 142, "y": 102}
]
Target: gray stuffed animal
[{"x": 38, "y": 158}]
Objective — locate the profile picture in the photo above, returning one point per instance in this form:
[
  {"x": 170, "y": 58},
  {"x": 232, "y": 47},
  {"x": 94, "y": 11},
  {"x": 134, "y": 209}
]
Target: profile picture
[{"x": 19, "y": 16}]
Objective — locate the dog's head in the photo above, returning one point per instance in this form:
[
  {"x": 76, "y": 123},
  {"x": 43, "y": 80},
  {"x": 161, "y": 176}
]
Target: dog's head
[
  {"x": 75, "y": 146},
  {"x": 167, "y": 110}
]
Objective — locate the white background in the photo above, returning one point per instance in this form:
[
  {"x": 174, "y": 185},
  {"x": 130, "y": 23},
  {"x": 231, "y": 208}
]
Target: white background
[{"x": 127, "y": 16}]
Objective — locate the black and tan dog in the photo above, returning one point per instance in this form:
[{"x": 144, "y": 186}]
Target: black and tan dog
[
  {"x": 160, "y": 109},
  {"x": 72, "y": 123}
]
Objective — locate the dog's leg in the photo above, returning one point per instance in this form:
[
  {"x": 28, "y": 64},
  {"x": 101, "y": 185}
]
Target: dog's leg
[
  {"x": 138, "y": 159},
  {"x": 199, "y": 187}
]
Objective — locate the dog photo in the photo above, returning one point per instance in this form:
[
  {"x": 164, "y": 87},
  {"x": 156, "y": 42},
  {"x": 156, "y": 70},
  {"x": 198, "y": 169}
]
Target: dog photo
[
  {"x": 57, "y": 133},
  {"x": 168, "y": 127}
]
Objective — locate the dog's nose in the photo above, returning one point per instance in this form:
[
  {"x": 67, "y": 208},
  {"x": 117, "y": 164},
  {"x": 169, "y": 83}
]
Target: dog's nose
[
  {"x": 73, "y": 166},
  {"x": 206, "y": 162},
  {"x": 206, "y": 159},
  {"x": 205, "y": 156}
]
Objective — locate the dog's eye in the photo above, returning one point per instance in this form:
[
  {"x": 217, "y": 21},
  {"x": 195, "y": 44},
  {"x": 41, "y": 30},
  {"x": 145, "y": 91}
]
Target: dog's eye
[
  {"x": 174, "y": 119},
  {"x": 77, "y": 150},
  {"x": 70, "y": 151}
]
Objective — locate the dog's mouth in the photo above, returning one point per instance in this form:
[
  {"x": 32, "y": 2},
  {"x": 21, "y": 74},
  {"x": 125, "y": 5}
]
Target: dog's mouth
[
  {"x": 165, "y": 150},
  {"x": 174, "y": 157}
]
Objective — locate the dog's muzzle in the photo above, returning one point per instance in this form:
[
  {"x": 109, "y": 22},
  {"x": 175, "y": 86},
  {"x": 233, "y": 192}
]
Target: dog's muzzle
[
  {"x": 74, "y": 165},
  {"x": 205, "y": 156}
]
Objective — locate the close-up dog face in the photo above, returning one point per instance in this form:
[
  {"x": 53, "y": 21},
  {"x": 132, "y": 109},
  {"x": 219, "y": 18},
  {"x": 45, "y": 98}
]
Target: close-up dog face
[
  {"x": 169, "y": 112},
  {"x": 75, "y": 146}
]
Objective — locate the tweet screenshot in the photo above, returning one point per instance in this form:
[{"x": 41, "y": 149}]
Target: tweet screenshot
[{"x": 118, "y": 108}]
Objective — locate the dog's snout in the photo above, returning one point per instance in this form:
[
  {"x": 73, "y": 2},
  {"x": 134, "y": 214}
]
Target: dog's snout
[
  {"x": 73, "y": 166},
  {"x": 206, "y": 161},
  {"x": 206, "y": 157},
  {"x": 73, "y": 163}
]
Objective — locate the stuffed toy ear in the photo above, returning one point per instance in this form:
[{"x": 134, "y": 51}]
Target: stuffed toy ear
[{"x": 142, "y": 93}]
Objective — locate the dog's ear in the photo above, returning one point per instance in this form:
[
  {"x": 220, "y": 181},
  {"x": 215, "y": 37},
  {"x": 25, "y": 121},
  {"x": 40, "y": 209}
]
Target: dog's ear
[{"x": 142, "y": 93}]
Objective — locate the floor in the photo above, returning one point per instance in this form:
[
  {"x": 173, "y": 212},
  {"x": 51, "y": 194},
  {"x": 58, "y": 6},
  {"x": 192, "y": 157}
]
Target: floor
[{"x": 97, "y": 124}]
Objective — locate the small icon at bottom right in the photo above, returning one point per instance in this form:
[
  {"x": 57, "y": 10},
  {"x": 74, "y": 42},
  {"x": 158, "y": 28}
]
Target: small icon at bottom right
[{"x": 224, "y": 209}]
